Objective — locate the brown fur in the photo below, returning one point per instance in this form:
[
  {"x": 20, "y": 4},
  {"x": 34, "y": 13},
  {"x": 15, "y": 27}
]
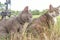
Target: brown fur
[{"x": 40, "y": 26}]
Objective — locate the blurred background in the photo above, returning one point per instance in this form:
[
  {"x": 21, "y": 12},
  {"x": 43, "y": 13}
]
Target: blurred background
[{"x": 36, "y": 7}]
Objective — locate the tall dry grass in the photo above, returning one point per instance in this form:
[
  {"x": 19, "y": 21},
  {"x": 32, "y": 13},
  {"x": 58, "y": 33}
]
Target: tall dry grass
[{"x": 49, "y": 34}]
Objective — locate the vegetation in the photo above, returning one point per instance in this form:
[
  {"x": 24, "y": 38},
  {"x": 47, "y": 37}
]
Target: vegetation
[
  {"x": 36, "y": 14},
  {"x": 2, "y": 6}
]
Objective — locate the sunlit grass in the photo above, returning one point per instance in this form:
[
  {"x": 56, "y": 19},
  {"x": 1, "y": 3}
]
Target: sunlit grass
[
  {"x": 36, "y": 16},
  {"x": 56, "y": 30}
]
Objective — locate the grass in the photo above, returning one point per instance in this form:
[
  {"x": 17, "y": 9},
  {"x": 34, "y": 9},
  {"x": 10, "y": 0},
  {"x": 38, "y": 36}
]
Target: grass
[
  {"x": 36, "y": 16},
  {"x": 55, "y": 36},
  {"x": 56, "y": 28}
]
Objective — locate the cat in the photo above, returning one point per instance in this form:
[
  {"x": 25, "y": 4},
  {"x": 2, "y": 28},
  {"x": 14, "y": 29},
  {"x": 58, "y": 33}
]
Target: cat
[{"x": 42, "y": 24}]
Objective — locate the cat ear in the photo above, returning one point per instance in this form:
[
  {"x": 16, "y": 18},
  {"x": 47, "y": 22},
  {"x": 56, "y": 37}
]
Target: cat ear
[
  {"x": 50, "y": 7},
  {"x": 26, "y": 9}
]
